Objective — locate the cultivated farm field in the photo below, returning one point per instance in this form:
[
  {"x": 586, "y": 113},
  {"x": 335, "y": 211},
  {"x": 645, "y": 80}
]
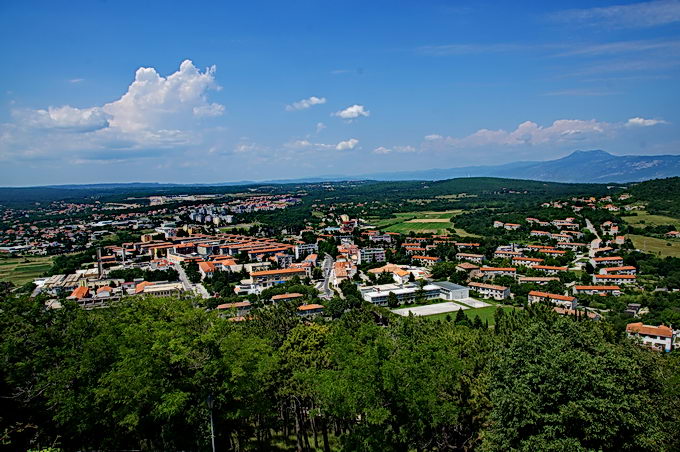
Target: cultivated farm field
[{"x": 21, "y": 270}]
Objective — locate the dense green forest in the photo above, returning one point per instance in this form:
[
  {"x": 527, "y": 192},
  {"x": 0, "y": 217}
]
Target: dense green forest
[
  {"x": 662, "y": 196},
  {"x": 136, "y": 376}
]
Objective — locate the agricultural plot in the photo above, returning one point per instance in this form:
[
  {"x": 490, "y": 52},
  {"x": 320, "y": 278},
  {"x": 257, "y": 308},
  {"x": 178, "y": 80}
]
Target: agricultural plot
[
  {"x": 659, "y": 247},
  {"x": 643, "y": 219},
  {"x": 21, "y": 270}
]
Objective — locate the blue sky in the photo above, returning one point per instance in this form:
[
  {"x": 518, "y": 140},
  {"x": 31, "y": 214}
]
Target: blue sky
[{"x": 207, "y": 92}]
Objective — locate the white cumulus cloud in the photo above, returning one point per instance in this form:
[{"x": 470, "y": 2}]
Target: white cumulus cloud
[
  {"x": 306, "y": 144},
  {"x": 346, "y": 145},
  {"x": 352, "y": 112},
  {"x": 65, "y": 118},
  {"x": 306, "y": 103},
  {"x": 155, "y": 113}
]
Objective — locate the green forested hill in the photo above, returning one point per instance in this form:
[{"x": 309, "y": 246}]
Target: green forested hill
[{"x": 662, "y": 196}]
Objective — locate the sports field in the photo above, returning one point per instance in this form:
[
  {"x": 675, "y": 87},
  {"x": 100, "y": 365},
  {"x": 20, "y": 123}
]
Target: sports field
[
  {"x": 21, "y": 270},
  {"x": 659, "y": 247},
  {"x": 485, "y": 314},
  {"x": 422, "y": 222}
]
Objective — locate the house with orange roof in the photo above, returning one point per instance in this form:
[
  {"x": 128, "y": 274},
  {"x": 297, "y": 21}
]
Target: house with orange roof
[
  {"x": 527, "y": 261},
  {"x": 608, "y": 260},
  {"x": 617, "y": 279},
  {"x": 310, "y": 310},
  {"x": 476, "y": 258},
  {"x": 79, "y": 293},
  {"x": 656, "y": 337},
  {"x": 268, "y": 278},
  {"x": 139, "y": 288},
  {"x": 206, "y": 269},
  {"x": 625, "y": 270},
  {"x": 498, "y": 271},
  {"x": 104, "y": 291},
  {"x": 550, "y": 269},
  {"x": 286, "y": 297},
  {"x": 427, "y": 261},
  {"x": 597, "y": 290},
  {"x": 490, "y": 290},
  {"x": 565, "y": 301}
]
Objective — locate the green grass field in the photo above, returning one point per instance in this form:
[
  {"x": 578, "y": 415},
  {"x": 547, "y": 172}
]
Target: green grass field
[
  {"x": 405, "y": 222},
  {"x": 656, "y": 246},
  {"x": 485, "y": 314},
  {"x": 21, "y": 270},
  {"x": 643, "y": 219}
]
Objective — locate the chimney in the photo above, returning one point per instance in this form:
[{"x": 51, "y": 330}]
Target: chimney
[{"x": 99, "y": 262}]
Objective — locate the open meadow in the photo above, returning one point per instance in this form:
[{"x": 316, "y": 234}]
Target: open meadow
[
  {"x": 658, "y": 247},
  {"x": 644, "y": 218}
]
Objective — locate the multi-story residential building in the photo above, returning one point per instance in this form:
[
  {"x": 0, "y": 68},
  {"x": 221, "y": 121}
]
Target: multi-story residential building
[
  {"x": 561, "y": 300},
  {"x": 476, "y": 258},
  {"x": 490, "y": 290},
  {"x": 625, "y": 270},
  {"x": 268, "y": 278},
  {"x": 617, "y": 279},
  {"x": 378, "y": 295},
  {"x": 427, "y": 261},
  {"x": 527, "y": 261},
  {"x": 303, "y": 249},
  {"x": 597, "y": 290},
  {"x": 550, "y": 269},
  {"x": 367, "y": 255},
  {"x": 608, "y": 260},
  {"x": 498, "y": 271}
]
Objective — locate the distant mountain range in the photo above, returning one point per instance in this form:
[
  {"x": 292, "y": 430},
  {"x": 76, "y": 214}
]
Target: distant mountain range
[
  {"x": 595, "y": 166},
  {"x": 580, "y": 166}
]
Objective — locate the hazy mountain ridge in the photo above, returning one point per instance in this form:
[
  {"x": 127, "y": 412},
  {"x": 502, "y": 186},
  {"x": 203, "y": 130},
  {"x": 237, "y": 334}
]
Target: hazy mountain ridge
[
  {"x": 594, "y": 166},
  {"x": 579, "y": 166}
]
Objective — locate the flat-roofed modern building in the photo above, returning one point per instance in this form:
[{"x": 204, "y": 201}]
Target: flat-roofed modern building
[{"x": 451, "y": 291}]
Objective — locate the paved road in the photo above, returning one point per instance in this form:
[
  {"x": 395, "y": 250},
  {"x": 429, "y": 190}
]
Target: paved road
[
  {"x": 183, "y": 278},
  {"x": 188, "y": 286},
  {"x": 201, "y": 290},
  {"x": 327, "y": 268},
  {"x": 595, "y": 244}
]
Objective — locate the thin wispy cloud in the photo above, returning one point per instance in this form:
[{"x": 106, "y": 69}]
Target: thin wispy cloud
[
  {"x": 469, "y": 49},
  {"x": 529, "y": 133},
  {"x": 636, "y": 15},
  {"x": 304, "y": 104},
  {"x": 621, "y": 47},
  {"x": 582, "y": 92}
]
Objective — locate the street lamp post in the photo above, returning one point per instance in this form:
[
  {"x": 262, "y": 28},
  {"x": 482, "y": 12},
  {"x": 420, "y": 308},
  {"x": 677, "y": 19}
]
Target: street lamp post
[{"x": 211, "y": 403}]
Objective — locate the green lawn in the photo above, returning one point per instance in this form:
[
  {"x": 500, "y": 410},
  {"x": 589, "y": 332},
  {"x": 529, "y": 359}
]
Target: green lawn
[
  {"x": 485, "y": 314},
  {"x": 21, "y": 270},
  {"x": 643, "y": 219},
  {"x": 405, "y": 222},
  {"x": 656, "y": 246}
]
